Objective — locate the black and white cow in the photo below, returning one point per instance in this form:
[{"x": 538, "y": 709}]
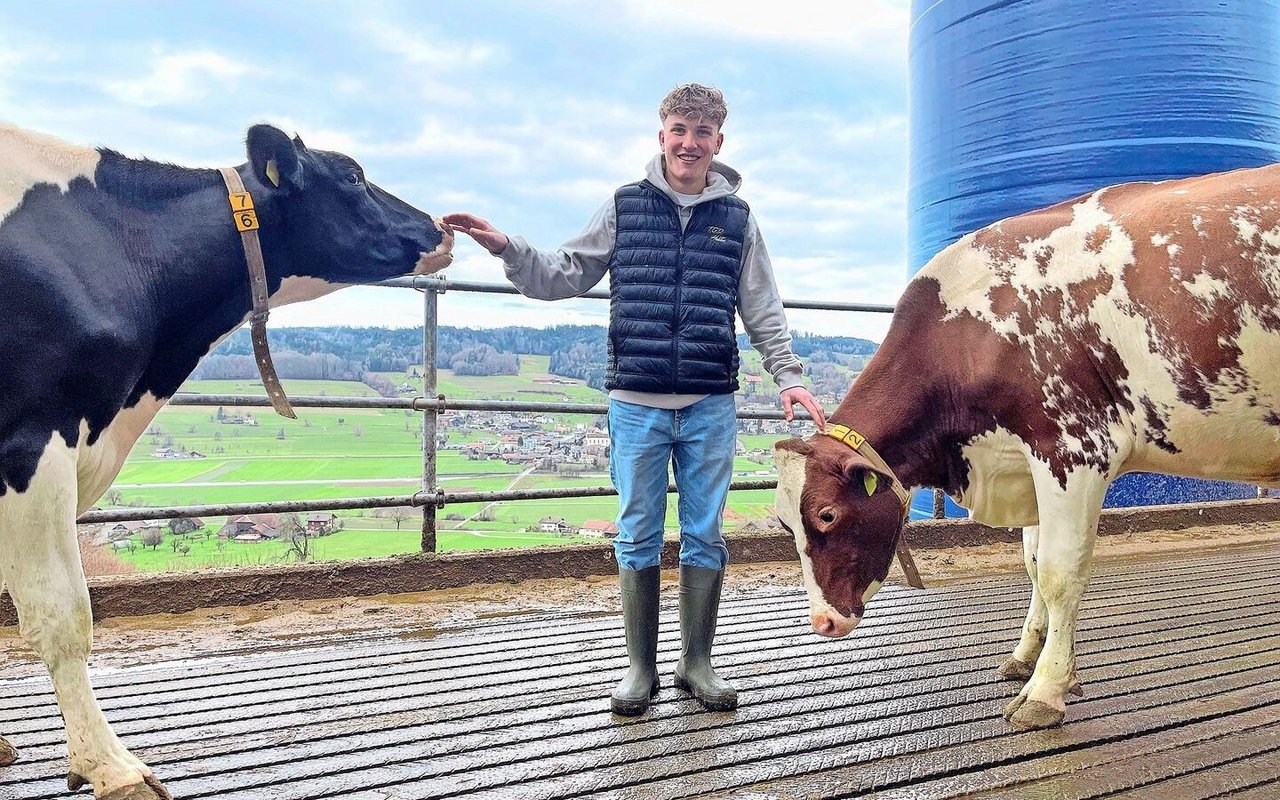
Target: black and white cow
[
  {"x": 116, "y": 276},
  {"x": 1031, "y": 363}
]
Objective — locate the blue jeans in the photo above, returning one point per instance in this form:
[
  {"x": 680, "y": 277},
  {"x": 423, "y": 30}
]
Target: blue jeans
[{"x": 700, "y": 441}]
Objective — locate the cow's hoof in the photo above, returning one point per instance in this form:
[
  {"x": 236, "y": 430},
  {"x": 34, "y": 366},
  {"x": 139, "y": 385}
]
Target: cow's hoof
[
  {"x": 149, "y": 789},
  {"x": 7, "y": 754},
  {"x": 1029, "y": 715},
  {"x": 1015, "y": 670}
]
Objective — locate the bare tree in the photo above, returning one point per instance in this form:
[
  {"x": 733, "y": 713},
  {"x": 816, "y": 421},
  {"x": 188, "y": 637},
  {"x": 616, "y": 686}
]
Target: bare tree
[
  {"x": 399, "y": 514},
  {"x": 295, "y": 533}
]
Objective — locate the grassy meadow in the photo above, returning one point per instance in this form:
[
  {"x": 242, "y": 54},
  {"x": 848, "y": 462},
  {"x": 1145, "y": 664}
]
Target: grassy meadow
[{"x": 250, "y": 454}]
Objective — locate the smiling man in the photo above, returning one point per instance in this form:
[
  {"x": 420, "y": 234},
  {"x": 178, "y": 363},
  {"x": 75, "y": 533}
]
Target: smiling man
[{"x": 683, "y": 255}]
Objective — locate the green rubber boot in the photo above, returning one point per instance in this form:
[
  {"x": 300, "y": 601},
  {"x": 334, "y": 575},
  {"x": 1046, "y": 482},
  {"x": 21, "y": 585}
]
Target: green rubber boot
[
  {"x": 640, "y": 621},
  {"x": 699, "y": 605}
]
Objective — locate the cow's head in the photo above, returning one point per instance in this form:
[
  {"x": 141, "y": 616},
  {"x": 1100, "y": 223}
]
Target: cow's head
[
  {"x": 333, "y": 223},
  {"x": 846, "y": 519}
]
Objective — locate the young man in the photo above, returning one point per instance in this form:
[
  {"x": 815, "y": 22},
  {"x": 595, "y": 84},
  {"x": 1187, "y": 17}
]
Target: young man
[{"x": 682, "y": 254}]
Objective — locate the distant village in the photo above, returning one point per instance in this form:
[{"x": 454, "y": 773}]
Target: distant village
[{"x": 537, "y": 442}]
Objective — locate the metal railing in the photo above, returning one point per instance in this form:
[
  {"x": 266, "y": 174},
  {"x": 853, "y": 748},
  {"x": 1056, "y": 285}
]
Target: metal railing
[{"x": 431, "y": 497}]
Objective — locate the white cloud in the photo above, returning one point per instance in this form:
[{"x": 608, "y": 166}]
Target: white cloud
[
  {"x": 872, "y": 29},
  {"x": 431, "y": 49},
  {"x": 181, "y": 79}
]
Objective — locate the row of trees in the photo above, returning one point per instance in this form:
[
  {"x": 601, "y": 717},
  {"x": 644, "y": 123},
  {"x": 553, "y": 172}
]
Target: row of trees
[{"x": 345, "y": 353}]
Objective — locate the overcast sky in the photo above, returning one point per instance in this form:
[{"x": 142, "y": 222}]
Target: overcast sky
[{"x": 528, "y": 114}]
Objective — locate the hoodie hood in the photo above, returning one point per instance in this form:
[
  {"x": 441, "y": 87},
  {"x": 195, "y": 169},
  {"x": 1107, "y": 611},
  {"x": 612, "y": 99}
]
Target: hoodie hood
[{"x": 722, "y": 181}]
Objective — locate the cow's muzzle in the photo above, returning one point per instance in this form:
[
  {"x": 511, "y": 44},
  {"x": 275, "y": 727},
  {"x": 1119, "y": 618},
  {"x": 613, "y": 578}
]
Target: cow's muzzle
[
  {"x": 833, "y": 624},
  {"x": 439, "y": 258}
]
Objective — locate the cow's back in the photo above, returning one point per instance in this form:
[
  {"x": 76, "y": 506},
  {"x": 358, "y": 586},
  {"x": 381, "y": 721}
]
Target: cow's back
[{"x": 1144, "y": 318}]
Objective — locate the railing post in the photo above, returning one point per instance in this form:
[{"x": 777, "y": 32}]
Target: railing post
[
  {"x": 429, "y": 417},
  {"x": 939, "y": 504}
]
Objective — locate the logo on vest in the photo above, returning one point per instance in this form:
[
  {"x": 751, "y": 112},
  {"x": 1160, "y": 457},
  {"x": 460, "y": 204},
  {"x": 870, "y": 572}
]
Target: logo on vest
[{"x": 717, "y": 234}]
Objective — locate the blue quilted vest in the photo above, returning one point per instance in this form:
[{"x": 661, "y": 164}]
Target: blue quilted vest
[{"x": 674, "y": 294}]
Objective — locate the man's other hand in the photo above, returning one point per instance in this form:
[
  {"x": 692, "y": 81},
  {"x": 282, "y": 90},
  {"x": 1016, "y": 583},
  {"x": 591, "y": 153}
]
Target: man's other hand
[{"x": 799, "y": 394}]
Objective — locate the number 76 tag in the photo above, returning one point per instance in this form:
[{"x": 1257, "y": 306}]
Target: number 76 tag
[{"x": 242, "y": 211}]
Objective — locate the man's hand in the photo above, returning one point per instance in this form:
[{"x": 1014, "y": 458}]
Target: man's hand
[
  {"x": 487, "y": 236},
  {"x": 799, "y": 394}
]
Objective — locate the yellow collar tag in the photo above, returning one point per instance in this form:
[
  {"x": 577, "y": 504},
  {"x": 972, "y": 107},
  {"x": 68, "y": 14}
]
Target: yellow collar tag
[
  {"x": 242, "y": 211},
  {"x": 847, "y": 435}
]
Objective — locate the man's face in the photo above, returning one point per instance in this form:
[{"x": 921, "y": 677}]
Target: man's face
[{"x": 688, "y": 146}]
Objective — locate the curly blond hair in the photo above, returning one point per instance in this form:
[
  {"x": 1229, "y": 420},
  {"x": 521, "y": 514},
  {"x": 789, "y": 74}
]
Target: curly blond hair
[{"x": 695, "y": 101}]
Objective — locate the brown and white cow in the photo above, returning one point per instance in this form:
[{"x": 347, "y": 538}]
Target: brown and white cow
[{"x": 1031, "y": 363}]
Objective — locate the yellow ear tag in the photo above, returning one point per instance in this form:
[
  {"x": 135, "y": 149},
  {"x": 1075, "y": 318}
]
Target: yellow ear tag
[
  {"x": 870, "y": 480},
  {"x": 273, "y": 174}
]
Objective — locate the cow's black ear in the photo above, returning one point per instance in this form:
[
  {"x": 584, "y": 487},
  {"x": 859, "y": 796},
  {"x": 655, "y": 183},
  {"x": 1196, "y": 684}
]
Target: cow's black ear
[{"x": 274, "y": 158}]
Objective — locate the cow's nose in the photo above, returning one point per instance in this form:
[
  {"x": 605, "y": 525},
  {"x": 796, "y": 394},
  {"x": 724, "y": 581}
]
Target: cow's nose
[{"x": 826, "y": 623}]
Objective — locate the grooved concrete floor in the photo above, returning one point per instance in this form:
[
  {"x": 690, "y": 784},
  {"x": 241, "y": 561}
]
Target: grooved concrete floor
[{"x": 1180, "y": 661}]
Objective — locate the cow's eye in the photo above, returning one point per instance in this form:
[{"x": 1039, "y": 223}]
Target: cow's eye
[
  {"x": 355, "y": 179},
  {"x": 827, "y": 516}
]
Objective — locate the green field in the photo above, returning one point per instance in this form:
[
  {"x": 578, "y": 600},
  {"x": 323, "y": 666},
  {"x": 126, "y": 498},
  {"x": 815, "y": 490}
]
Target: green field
[{"x": 250, "y": 454}]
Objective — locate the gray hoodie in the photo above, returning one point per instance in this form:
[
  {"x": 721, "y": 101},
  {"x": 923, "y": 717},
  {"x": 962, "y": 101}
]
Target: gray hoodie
[{"x": 582, "y": 261}]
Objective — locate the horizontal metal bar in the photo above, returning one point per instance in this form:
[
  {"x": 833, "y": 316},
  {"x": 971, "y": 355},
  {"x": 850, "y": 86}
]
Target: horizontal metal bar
[
  {"x": 438, "y": 498},
  {"x": 435, "y": 283},
  {"x": 233, "y": 509},
  {"x": 430, "y": 404},
  {"x": 450, "y": 498}
]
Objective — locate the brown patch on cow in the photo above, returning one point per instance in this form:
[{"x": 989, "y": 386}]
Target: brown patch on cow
[
  {"x": 1004, "y": 299},
  {"x": 1097, "y": 238},
  {"x": 1196, "y": 333}
]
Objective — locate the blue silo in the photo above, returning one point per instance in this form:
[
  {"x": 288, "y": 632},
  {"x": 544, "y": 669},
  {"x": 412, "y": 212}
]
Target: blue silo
[{"x": 1019, "y": 104}]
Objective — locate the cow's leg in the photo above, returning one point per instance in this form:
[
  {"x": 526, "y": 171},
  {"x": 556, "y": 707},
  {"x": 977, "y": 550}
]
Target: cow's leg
[
  {"x": 7, "y": 754},
  {"x": 1020, "y": 665},
  {"x": 41, "y": 565},
  {"x": 1068, "y": 527}
]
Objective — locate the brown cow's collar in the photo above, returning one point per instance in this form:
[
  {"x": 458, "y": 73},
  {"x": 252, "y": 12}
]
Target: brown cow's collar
[
  {"x": 246, "y": 220},
  {"x": 851, "y": 438},
  {"x": 859, "y": 443}
]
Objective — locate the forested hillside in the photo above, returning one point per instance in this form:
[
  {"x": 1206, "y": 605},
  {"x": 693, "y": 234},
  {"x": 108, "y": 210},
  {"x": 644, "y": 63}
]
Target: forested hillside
[{"x": 576, "y": 351}]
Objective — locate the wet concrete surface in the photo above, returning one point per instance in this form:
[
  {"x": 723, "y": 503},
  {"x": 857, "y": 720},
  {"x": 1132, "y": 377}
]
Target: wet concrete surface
[{"x": 1180, "y": 660}]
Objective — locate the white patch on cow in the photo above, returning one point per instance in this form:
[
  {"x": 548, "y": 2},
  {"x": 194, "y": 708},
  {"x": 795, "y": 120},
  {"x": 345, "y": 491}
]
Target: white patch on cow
[
  {"x": 299, "y": 288},
  {"x": 40, "y": 562},
  {"x": 1000, "y": 492},
  {"x": 1234, "y": 442},
  {"x": 28, "y": 159},
  {"x": 1166, "y": 241},
  {"x": 98, "y": 464},
  {"x": 791, "y": 477},
  {"x": 1207, "y": 287},
  {"x": 1245, "y": 227}
]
